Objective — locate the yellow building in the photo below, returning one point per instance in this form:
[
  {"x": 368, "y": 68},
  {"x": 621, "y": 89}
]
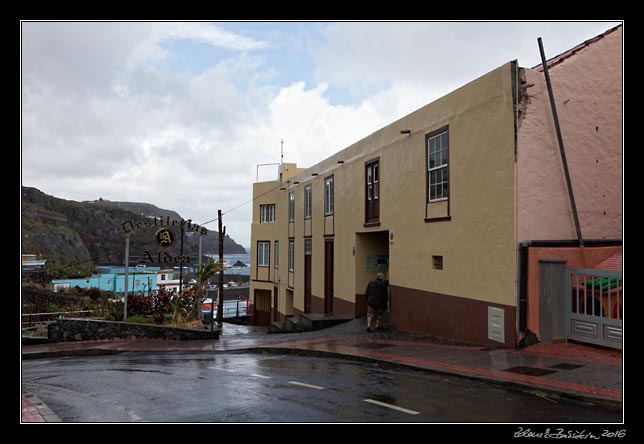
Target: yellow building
[{"x": 432, "y": 200}]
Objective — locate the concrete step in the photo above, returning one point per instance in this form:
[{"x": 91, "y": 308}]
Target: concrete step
[
  {"x": 314, "y": 321},
  {"x": 275, "y": 327},
  {"x": 290, "y": 325},
  {"x": 306, "y": 322}
]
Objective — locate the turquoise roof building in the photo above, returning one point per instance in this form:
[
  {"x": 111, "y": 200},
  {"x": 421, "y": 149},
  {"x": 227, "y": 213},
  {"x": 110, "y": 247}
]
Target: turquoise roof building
[{"x": 113, "y": 279}]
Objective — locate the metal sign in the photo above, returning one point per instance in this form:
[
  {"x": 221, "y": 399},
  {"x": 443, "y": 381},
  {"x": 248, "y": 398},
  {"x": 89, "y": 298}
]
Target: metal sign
[
  {"x": 166, "y": 221},
  {"x": 164, "y": 237}
]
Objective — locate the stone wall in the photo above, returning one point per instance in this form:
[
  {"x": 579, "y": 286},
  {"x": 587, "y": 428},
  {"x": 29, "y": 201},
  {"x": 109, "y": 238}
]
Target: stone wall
[{"x": 66, "y": 330}]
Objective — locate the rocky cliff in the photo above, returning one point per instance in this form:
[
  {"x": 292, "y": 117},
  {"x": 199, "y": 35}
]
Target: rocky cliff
[{"x": 76, "y": 236}]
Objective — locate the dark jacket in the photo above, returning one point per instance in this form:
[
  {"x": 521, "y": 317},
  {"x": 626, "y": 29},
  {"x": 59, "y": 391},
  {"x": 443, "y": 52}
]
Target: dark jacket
[{"x": 377, "y": 293}]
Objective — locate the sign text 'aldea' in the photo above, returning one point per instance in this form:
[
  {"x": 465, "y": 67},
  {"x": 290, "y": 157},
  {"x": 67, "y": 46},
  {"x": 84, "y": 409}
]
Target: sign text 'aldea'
[{"x": 130, "y": 226}]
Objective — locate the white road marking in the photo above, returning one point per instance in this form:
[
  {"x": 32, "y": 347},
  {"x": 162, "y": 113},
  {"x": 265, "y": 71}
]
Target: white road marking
[
  {"x": 222, "y": 369},
  {"x": 260, "y": 376},
  {"x": 390, "y": 406},
  {"x": 317, "y": 387},
  {"x": 133, "y": 416}
]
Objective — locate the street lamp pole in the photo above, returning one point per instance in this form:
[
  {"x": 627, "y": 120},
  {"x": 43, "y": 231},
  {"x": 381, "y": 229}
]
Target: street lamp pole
[
  {"x": 181, "y": 265},
  {"x": 220, "y": 310},
  {"x": 200, "y": 238},
  {"x": 127, "y": 264}
]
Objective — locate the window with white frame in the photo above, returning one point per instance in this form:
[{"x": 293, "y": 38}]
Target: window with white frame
[
  {"x": 267, "y": 213},
  {"x": 308, "y": 191},
  {"x": 437, "y": 167},
  {"x": 276, "y": 254},
  {"x": 291, "y": 206},
  {"x": 263, "y": 253},
  {"x": 328, "y": 196},
  {"x": 291, "y": 255}
]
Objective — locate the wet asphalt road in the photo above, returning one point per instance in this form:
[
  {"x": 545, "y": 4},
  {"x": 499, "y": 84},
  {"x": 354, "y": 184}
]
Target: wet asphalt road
[{"x": 188, "y": 387}]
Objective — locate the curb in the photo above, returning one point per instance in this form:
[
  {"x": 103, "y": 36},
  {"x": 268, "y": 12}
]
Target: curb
[
  {"x": 63, "y": 353},
  {"x": 536, "y": 390},
  {"x": 45, "y": 412}
]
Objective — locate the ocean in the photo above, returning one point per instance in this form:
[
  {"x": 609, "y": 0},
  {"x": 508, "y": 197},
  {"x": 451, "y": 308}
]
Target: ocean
[{"x": 231, "y": 259}]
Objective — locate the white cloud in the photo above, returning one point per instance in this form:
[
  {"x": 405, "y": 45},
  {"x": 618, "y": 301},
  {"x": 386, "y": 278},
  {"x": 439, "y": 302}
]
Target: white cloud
[
  {"x": 367, "y": 57},
  {"x": 103, "y": 115}
]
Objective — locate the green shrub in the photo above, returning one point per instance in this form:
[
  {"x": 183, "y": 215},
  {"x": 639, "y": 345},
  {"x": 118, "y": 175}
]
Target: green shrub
[
  {"x": 139, "y": 319},
  {"x": 161, "y": 305},
  {"x": 111, "y": 310}
]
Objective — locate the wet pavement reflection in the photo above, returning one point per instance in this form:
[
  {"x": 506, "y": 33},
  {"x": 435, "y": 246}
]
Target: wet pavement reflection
[{"x": 181, "y": 387}]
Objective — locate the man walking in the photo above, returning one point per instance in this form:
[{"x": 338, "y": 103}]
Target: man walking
[{"x": 376, "y": 301}]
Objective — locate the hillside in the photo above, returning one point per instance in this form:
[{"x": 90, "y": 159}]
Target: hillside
[{"x": 75, "y": 236}]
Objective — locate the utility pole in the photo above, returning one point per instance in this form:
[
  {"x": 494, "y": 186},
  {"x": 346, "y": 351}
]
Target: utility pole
[
  {"x": 181, "y": 264},
  {"x": 220, "y": 310},
  {"x": 127, "y": 265}
]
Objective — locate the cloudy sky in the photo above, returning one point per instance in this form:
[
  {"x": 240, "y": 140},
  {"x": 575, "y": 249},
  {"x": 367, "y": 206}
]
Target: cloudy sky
[{"x": 179, "y": 114}]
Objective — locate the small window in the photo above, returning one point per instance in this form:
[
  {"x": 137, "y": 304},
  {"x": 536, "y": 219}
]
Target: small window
[
  {"x": 437, "y": 167},
  {"x": 328, "y": 196},
  {"x": 307, "y": 201},
  {"x": 291, "y": 255},
  {"x": 291, "y": 206},
  {"x": 437, "y": 262},
  {"x": 267, "y": 213},
  {"x": 308, "y": 246},
  {"x": 376, "y": 180},
  {"x": 263, "y": 254},
  {"x": 372, "y": 191},
  {"x": 276, "y": 254}
]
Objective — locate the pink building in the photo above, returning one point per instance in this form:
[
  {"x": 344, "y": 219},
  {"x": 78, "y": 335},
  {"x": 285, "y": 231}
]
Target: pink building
[{"x": 587, "y": 87}]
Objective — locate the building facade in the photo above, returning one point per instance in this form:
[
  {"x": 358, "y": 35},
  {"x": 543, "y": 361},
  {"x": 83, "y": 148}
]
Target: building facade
[
  {"x": 140, "y": 281},
  {"x": 441, "y": 199}
]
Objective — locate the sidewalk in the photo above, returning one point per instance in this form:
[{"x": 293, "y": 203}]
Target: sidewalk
[
  {"x": 591, "y": 374},
  {"x": 34, "y": 410}
]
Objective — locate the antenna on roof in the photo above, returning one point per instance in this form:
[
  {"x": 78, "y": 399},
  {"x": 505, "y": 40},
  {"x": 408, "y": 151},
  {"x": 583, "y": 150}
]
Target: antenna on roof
[{"x": 282, "y": 152}]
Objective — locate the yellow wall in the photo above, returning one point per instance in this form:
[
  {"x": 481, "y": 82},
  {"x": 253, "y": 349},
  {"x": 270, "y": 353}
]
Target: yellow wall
[
  {"x": 265, "y": 193},
  {"x": 477, "y": 244}
]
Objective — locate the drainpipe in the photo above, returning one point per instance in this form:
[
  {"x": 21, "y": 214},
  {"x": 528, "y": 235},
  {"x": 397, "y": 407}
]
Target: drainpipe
[{"x": 561, "y": 147}]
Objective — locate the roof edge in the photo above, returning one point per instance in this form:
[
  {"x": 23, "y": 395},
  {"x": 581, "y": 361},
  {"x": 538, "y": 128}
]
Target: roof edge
[{"x": 572, "y": 51}]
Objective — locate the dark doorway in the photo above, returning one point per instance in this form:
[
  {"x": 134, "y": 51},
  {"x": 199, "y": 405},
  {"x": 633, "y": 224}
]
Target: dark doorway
[
  {"x": 275, "y": 300},
  {"x": 372, "y": 192},
  {"x": 372, "y": 256},
  {"x": 328, "y": 276},
  {"x": 307, "y": 275},
  {"x": 262, "y": 307}
]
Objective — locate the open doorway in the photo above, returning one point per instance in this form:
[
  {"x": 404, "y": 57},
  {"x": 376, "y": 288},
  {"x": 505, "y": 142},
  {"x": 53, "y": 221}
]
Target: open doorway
[
  {"x": 372, "y": 256},
  {"x": 328, "y": 276}
]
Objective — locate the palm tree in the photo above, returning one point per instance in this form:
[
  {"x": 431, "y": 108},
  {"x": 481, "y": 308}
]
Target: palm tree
[{"x": 205, "y": 271}]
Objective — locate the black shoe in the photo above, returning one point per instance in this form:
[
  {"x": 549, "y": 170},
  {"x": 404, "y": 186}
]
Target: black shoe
[{"x": 369, "y": 329}]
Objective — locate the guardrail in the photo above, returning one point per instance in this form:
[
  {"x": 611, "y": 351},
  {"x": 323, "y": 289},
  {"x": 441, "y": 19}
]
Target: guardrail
[
  {"x": 232, "y": 309},
  {"x": 30, "y": 316}
]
